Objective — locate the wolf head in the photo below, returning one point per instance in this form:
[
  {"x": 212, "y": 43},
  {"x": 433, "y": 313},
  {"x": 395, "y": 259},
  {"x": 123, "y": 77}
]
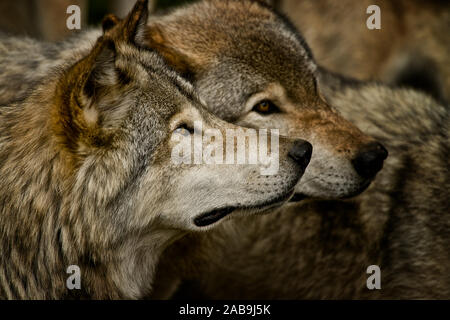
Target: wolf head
[
  {"x": 89, "y": 177},
  {"x": 121, "y": 114},
  {"x": 253, "y": 68}
]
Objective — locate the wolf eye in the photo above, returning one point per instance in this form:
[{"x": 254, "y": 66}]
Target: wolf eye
[
  {"x": 266, "y": 107},
  {"x": 184, "y": 130}
]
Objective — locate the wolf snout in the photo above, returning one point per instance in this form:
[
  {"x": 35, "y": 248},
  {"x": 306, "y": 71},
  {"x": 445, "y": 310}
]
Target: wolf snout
[
  {"x": 301, "y": 152},
  {"x": 370, "y": 160}
]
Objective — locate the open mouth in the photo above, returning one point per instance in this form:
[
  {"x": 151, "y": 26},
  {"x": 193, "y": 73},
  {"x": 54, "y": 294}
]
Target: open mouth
[{"x": 213, "y": 216}]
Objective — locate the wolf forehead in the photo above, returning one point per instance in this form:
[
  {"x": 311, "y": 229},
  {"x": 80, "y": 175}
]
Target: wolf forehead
[
  {"x": 244, "y": 44},
  {"x": 217, "y": 26},
  {"x": 154, "y": 65}
]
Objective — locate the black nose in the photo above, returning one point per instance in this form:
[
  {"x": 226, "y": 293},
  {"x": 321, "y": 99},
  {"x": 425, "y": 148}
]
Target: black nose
[
  {"x": 301, "y": 152},
  {"x": 370, "y": 160}
]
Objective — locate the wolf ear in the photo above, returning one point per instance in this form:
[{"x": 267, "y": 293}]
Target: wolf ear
[
  {"x": 131, "y": 29},
  {"x": 134, "y": 25},
  {"x": 78, "y": 115},
  {"x": 91, "y": 80},
  {"x": 102, "y": 70}
]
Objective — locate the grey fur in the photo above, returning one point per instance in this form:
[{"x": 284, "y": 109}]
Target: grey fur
[
  {"x": 87, "y": 177},
  {"x": 321, "y": 249}
]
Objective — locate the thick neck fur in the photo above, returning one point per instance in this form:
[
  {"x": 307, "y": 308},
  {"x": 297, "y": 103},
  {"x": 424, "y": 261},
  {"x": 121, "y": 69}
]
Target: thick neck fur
[
  {"x": 49, "y": 219},
  {"x": 31, "y": 198}
]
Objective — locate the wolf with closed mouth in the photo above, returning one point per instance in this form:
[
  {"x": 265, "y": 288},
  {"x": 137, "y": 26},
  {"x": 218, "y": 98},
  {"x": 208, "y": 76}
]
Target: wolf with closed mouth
[
  {"x": 314, "y": 249},
  {"x": 87, "y": 176},
  {"x": 253, "y": 69},
  {"x": 322, "y": 249},
  {"x": 217, "y": 45}
]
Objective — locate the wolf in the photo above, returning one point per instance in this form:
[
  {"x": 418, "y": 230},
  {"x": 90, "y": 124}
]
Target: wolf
[
  {"x": 345, "y": 160},
  {"x": 321, "y": 249},
  {"x": 87, "y": 175},
  {"x": 254, "y": 69},
  {"x": 225, "y": 48}
]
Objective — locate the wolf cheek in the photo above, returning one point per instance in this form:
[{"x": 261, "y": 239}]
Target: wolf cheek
[{"x": 269, "y": 81}]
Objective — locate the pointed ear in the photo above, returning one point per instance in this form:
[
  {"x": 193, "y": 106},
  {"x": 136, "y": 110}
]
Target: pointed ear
[
  {"x": 87, "y": 78},
  {"x": 77, "y": 114},
  {"x": 103, "y": 72},
  {"x": 90, "y": 81},
  {"x": 134, "y": 26}
]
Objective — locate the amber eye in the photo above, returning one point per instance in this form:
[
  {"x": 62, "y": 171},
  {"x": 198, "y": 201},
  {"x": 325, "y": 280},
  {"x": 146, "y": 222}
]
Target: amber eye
[{"x": 265, "y": 107}]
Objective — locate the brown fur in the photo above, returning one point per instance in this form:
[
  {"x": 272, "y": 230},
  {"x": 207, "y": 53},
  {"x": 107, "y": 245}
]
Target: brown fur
[
  {"x": 87, "y": 173},
  {"x": 238, "y": 53},
  {"x": 320, "y": 249}
]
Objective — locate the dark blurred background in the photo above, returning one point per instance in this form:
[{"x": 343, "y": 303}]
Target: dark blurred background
[
  {"x": 411, "y": 48},
  {"x": 46, "y": 19}
]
